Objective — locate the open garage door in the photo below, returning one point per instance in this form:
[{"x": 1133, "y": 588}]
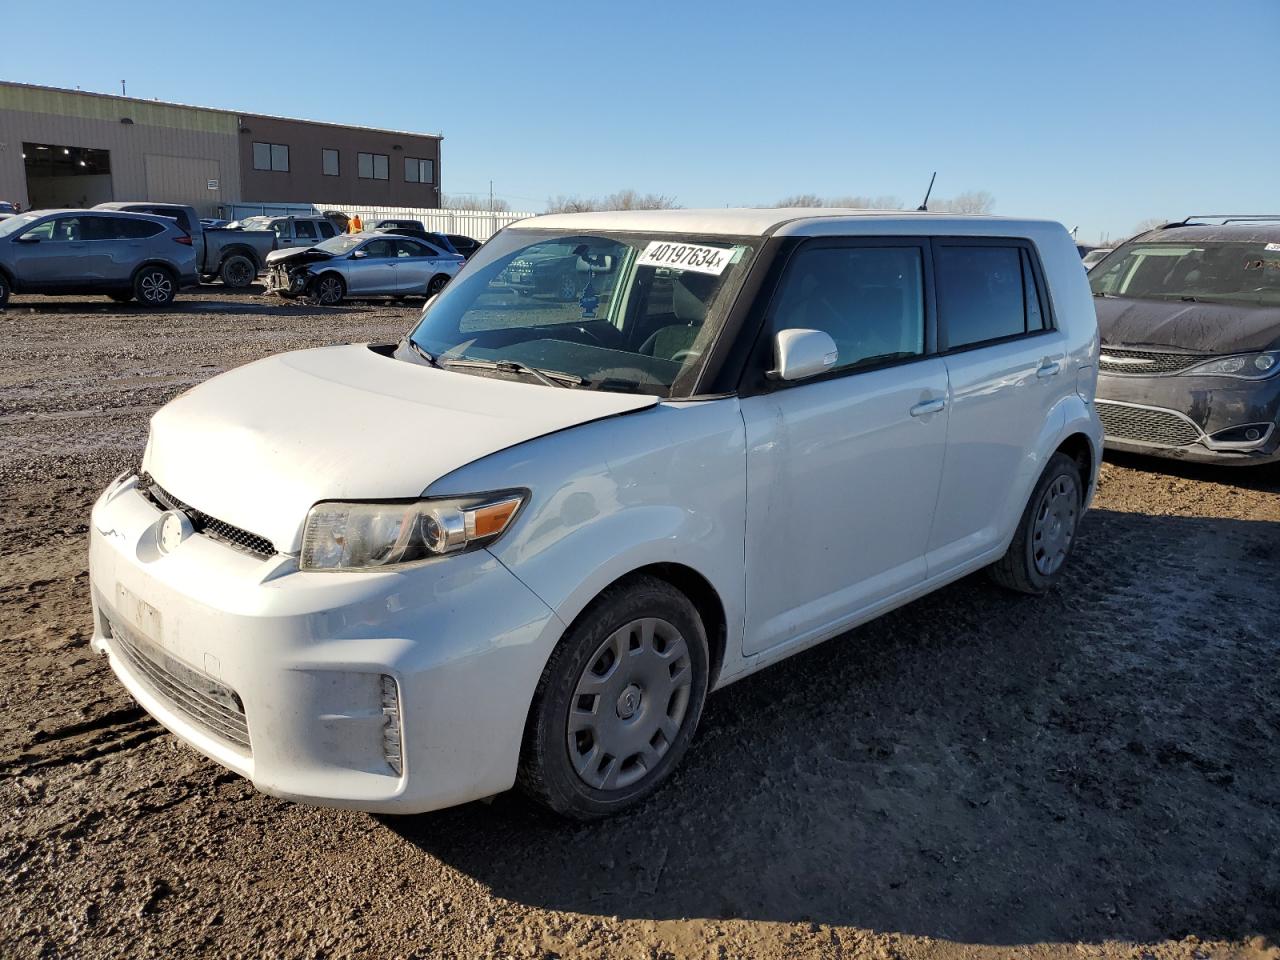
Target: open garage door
[{"x": 66, "y": 176}]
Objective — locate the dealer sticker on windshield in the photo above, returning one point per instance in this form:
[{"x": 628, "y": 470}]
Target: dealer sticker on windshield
[
  {"x": 1273, "y": 248},
  {"x": 687, "y": 256}
]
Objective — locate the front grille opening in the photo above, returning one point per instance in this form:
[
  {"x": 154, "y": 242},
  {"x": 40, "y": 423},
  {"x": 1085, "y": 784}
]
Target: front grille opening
[
  {"x": 201, "y": 522},
  {"x": 1147, "y": 362},
  {"x": 1146, "y": 425}
]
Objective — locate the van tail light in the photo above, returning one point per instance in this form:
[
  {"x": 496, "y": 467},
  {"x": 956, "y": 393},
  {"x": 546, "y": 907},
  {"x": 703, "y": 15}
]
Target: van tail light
[{"x": 185, "y": 239}]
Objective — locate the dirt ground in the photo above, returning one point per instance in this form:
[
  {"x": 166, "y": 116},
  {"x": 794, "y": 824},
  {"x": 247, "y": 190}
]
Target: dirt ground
[{"x": 976, "y": 775}]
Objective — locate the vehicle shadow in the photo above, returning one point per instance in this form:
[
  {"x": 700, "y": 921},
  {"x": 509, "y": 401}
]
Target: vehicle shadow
[
  {"x": 978, "y": 766},
  {"x": 235, "y": 302},
  {"x": 1264, "y": 477}
]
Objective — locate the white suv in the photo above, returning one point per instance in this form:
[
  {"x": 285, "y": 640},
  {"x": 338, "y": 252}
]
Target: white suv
[{"x": 523, "y": 544}]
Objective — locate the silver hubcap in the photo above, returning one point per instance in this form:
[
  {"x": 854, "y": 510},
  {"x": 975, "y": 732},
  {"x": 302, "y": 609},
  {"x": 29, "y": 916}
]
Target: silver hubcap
[
  {"x": 330, "y": 291},
  {"x": 1055, "y": 525},
  {"x": 629, "y": 704},
  {"x": 156, "y": 287}
]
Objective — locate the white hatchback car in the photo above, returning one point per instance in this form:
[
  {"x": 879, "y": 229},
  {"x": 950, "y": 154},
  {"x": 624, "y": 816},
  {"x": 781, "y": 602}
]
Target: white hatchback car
[{"x": 523, "y": 544}]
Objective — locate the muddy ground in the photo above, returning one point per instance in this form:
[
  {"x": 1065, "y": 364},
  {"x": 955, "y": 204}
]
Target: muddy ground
[{"x": 1096, "y": 772}]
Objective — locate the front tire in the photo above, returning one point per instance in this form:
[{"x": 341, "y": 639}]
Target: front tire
[
  {"x": 617, "y": 703},
  {"x": 5, "y": 290},
  {"x": 328, "y": 289},
  {"x": 1046, "y": 533},
  {"x": 155, "y": 287}
]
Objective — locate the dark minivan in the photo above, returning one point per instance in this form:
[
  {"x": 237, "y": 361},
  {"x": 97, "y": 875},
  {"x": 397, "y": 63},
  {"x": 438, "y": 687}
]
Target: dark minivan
[{"x": 1189, "y": 316}]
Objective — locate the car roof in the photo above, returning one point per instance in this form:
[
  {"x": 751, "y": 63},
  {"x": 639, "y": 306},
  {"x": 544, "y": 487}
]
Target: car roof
[
  {"x": 751, "y": 221},
  {"x": 1261, "y": 231},
  {"x": 123, "y": 214}
]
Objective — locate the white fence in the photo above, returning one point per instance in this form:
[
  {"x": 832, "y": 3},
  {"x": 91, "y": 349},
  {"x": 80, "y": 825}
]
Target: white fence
[{"x": 477, "y": 224}]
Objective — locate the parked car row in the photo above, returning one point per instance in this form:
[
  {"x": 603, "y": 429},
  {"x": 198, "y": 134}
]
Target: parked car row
[{"x": 119, "y": 250}]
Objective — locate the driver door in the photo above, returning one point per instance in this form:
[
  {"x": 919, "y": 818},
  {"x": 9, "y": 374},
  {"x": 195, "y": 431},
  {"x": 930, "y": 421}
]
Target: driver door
[{"x": 373, "y": 274}]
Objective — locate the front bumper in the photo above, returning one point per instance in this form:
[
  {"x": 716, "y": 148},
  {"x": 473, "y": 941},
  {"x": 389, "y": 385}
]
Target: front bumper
[
  {"x": 208, "y": 638},
  {"x": 289, "y": 282},
  {"x": 1192, "y": 418}
]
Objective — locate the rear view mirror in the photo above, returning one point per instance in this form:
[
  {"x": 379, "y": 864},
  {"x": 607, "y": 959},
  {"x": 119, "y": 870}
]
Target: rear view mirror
[
  {"x": 802, "y": 353},
  {"x": 596, "y": 262}
]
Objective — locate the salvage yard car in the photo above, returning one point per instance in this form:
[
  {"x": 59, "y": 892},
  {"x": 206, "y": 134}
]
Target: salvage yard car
[
  {"x": 122, "y": 255},
  {"x": 363, "y": 265},
  {"x": 522, "y": 545},
  {"x": 235, "y": 257},
  {"x": 1189, "y": 315}
]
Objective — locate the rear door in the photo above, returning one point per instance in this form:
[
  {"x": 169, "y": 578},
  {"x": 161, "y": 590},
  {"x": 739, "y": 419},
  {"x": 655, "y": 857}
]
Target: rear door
[
  {"x": 305, "y": 234},
  {"x": 415, "y": 266},
  {"x": 1006, "y": 363},
  {"x": 843, "y": 469}
]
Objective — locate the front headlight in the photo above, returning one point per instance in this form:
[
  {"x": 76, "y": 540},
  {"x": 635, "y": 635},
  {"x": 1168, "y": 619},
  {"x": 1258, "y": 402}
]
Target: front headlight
[
  {"x": 355, "y": 536},
  {"x": 1244, "y": 366}
]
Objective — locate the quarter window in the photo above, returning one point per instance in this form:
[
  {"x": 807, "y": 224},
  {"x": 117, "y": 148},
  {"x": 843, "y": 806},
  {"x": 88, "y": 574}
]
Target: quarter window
[
  {"x": 418, "y": 171},
  {"x": 271, "y": 156},
  {"x": 303, "y": 230},
  {"x": 329, "y": 164},
  {"x": 985, "y": 293},
  {"x": 869, "y": 299},
  {"x": 131, "y": 229},
  {"x": 373, "y": 166}
]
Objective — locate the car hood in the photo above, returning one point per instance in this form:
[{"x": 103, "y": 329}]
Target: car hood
[
  {"x": 1200, "y": 327},
  {"x": 258, "y": 446},
  {"x": 298, "y": 255}
]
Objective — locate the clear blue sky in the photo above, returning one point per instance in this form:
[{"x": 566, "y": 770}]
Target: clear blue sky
[{"x": 1098, "y": 113}]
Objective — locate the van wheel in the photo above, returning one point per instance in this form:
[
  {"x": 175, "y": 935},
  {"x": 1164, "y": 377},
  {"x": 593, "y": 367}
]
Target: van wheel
[
  {"x": 1047, "y": 531},
  {"x": 238, "y": 271},
  {"x": 617, "y": 703},
  {"x": 155, "y": 287},
  {"x": 328, "y": 289}
]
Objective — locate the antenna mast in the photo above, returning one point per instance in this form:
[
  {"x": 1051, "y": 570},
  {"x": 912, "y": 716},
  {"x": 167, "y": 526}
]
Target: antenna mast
[{"x": 924, "y": 204}]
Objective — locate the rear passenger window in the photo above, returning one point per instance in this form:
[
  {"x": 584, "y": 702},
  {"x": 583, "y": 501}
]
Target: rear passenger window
[
  {"x": 869, "y": 299},
  {"x": 132, "y": 229},
  {"x": 326, "y": 229},
  {"x": 302, "y": 229},
  {"x": 985, "y": 292}
]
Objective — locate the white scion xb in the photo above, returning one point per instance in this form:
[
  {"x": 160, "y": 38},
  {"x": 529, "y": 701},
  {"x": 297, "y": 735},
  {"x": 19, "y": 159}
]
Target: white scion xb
[{"x": 623, "y": 459}]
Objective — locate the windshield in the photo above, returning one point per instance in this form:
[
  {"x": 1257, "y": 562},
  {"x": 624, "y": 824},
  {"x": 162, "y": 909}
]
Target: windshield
[
  {"x": 255, "y": 223},
  {"x": 340, "y": 244},
  {"x": 1228, "y": 271},
  {"x": 620, "y": 311},
  {"x": 14, "y": 224}
]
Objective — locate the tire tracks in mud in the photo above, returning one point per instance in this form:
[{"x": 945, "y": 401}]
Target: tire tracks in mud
[{"x": 113, "y": 732}]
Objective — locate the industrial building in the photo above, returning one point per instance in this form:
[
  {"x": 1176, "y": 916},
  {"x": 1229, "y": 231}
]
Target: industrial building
[{"x": 69, "y": 148}]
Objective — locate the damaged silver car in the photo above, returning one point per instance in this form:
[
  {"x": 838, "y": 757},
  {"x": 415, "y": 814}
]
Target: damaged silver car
[{"x": 361, "y": 265}]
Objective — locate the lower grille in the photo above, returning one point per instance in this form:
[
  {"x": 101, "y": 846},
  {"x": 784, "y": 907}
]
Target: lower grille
[
  {"x": 203, "y": 523},
  {"x": 1146, "y": 424},
  {"x": 1147, "y": 362},
  {"x": 212, "y": 705}
]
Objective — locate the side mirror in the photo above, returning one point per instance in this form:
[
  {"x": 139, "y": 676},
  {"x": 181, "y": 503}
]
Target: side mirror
[
  {"x": 798, "y": 354},
  {"x": 26, "y": 239},
  {"x": 358, "y": 254}
]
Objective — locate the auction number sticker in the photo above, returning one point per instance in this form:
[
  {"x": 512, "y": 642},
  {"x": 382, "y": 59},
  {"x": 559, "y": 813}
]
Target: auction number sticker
[
  {"x": 687, "y": 256},
  {"x": 1273, "y": 247}
]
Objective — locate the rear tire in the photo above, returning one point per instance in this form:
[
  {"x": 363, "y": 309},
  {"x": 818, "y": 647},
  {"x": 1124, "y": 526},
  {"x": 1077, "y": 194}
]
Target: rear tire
[
  {"x": 155, "y": 286},
  {"x": 5, "y": 290},
  {"x": 437, "y": 284},
  {"x": 1046, "y": 532},
  {"x": 617, "y": 703},
  {"x": 238, "y": 271}
]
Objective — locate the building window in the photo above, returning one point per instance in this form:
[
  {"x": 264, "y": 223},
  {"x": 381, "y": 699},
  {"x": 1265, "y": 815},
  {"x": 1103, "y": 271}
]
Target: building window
[
  {"x": 373, "y": 166},
  {"x": 329, "y": 162},
  {"x": 418, "y": 171},
  {"x": 271, "y": 156}
]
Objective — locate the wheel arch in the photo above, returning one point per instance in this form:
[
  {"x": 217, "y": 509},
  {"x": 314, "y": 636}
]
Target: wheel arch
[{"x": 155, "y": 262}]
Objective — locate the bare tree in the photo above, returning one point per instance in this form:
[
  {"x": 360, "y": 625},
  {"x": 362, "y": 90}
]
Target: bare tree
[
  {"x": 619, "y": 200},
  {"x": 561, "y": 203},
  {"x": 1149, "y": 224},
  {"x": 802, "y": 200},
  {"x": 471, "y": 201},
  {"x": 972, "y": 201},
  {"x": 855, "y": 202}
]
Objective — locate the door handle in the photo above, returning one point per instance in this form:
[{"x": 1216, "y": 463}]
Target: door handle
[
  {"x": 1048, "y": 367},
  {"x": 926, "y": 407}
]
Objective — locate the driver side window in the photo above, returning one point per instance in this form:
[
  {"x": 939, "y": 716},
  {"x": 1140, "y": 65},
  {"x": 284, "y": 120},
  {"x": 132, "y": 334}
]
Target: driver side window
[{"x": 870, "y": 300}]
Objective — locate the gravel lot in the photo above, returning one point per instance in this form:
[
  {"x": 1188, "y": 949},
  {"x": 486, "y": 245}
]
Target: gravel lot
[{"x": 975, "y": 775}]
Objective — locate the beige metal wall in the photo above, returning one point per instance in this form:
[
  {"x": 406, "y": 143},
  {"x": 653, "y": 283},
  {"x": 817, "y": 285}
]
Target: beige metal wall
[{"x": 168, "y": 152}]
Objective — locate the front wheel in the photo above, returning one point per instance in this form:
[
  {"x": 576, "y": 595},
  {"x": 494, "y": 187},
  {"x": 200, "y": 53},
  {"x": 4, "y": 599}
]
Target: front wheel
[
  {"x": 567, "y": 287},
  {"x": 617, "y": 703},
  {"x": 328, "y": 289},
  {"x": 5, "y": 289},
  {"x": 1046, "y": 533},
  {"x": 155, "y": 287}
]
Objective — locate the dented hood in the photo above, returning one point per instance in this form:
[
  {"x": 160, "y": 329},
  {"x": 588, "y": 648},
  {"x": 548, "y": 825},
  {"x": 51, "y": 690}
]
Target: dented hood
[
  {"x": 297, "y": 256},
  {"x": 1198, "y": 327},
  {"x": 258, "y": 446}
]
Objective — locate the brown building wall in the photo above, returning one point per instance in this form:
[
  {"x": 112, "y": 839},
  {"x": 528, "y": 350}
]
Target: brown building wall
[{"x": 305, "y": 181}]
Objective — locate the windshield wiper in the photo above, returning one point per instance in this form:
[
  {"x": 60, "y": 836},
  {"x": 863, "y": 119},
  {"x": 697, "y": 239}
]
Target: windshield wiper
[
  {"x": 432, "y": 361},
  {"x": 550, "y": 378}
]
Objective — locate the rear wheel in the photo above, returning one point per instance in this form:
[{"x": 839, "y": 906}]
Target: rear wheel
[
  {"x": 437, "y": 284},
  {"x": 5, "y": 289},
  {"x": 617, "y": 703},
  {"x": 238, "y": 271},
  {"x": 155, "y": 287},
  {"x": 328, "y": 289},
  {"x": 1047, "y": 531}
]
